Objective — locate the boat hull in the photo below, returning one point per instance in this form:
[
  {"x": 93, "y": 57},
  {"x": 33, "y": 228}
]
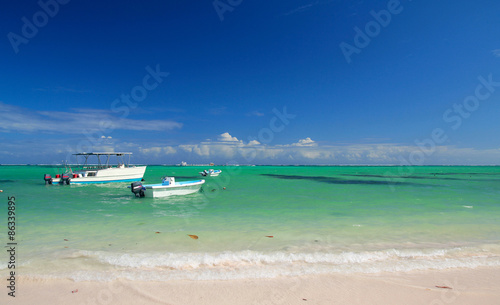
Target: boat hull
[
  {"x": 107, "y": 175},
  {"x": 179, "y": 188}
]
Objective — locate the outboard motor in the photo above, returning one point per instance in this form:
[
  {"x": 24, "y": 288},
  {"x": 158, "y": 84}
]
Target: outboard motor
[
  {"x": 48, "y": 179},
  {"x": 65, "y": 179},
  {"x": 137, "y": 189}
]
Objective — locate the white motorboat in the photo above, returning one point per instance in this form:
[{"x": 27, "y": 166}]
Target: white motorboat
[
  {"x": 102, "y": 172},
  {"x": 168, "y": 187},
  {"x": 211, "y": 173}
]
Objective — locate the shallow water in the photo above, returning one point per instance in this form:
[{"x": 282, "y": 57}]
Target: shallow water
[{"x": 321, "y": 219}]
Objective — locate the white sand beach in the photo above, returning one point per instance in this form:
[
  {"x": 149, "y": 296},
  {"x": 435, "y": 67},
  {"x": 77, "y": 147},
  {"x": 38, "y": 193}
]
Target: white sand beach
[{"x": 453, "y": 286}]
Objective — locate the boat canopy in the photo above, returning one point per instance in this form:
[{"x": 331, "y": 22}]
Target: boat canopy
[
  {"x": 103, "y": 153},
  {"x": 102, "y": 164}
]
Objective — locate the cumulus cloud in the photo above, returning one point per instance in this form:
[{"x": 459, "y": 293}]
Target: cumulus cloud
[
  {"x": 306, "y": 151},
  {"x": 226, "y": 137},
  {"x": 226, "y": 148},
  {"x": 305, "y": 142}
]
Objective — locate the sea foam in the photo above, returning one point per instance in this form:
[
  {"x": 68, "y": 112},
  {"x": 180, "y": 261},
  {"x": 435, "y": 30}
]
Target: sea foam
[{"x": 254, "y": 264}]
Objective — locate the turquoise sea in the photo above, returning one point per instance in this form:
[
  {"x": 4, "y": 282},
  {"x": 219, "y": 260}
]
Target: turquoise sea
[{"x": 268, "y": 221}]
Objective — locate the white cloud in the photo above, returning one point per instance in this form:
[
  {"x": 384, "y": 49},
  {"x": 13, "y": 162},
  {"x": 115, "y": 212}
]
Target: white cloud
[
  {"x": 226, "y": 137},
  {"x": 496, "y": 52},
  {"x": 19, "y": 119},
  {"x": 169, "y": 150},
  {"x": 305, "y": 142},
  {"x": 158, "y": 151},
  {"x": 155, "y": 151},
  {"x": 307, "y": 151},
  {"x": 253, "y": 152}
]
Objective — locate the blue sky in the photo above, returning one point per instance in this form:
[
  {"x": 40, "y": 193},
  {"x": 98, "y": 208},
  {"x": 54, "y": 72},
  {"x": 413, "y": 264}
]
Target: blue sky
[{"x": 260, "y": 82}]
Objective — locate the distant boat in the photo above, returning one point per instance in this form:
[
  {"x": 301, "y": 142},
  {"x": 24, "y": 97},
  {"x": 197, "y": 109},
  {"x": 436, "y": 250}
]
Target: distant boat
[
  {"x": 102, "y": 172},
  {"x": 211, "y": 173},
  {"x": 168, "y": 187}
]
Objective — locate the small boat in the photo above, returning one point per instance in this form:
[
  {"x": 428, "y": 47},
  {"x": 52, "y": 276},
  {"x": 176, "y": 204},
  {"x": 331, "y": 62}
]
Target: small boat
[
  {"x": 102, "y": 172},
  {"x": 211, "y": 173},
  {"x": 167, "y": 188}
]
